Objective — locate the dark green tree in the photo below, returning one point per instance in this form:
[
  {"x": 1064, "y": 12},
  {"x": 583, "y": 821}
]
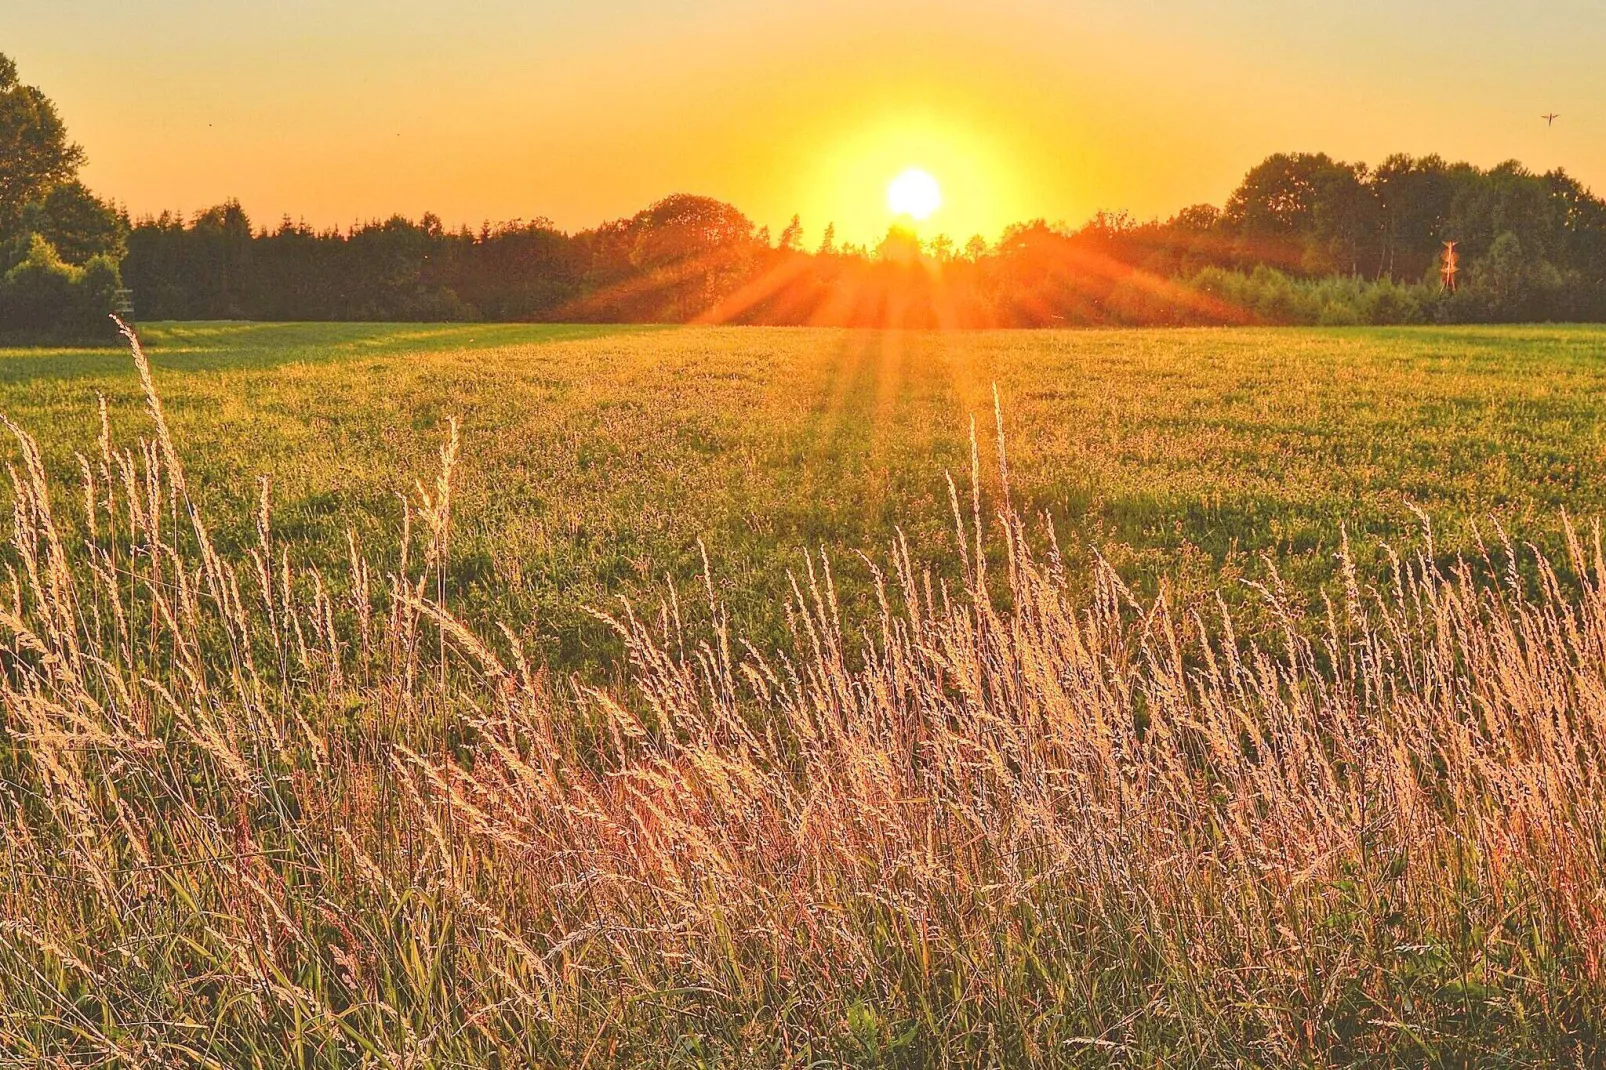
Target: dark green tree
[
  {"x": 35, "y": 154},
  {"x": 221, "y": 253},
  {"x": 1305, "y": 211},
  {"x": 1414, "y": 198},
  {"x": 1277, "y": 198},
  {"x": 80, "y": 225}
]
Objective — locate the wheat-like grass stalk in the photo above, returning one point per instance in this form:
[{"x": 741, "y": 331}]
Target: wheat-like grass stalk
[{"x": 249, "y": 821}]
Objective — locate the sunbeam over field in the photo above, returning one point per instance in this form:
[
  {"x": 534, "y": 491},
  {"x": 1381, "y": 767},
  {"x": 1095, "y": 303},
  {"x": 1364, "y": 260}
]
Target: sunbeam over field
[
  {"x": 517, "y": 696},
  {"x": 752, "y": 536},
  {"x": 598, "y": 458}
]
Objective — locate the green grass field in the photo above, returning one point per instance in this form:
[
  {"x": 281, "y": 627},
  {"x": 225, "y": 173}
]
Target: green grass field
[
  {"x": 272, "y": 803},
  {"x": 595, "y": 458}
]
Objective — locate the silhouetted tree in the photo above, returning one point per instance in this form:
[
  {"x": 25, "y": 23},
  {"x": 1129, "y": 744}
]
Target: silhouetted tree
[
  {"x": 828, "y": 241},
  {"x": 34, "y": 151},
  {"x": 59, "y": 245},
  {"x": 80, "y": 225},
  {"x": 693, "y": 250},
  {"x": 1304, "y": 239},
  {"x": 1304, "y": 211},
  {"x": 792, "y": 236},
  {"x": 1414, "y": 198}
]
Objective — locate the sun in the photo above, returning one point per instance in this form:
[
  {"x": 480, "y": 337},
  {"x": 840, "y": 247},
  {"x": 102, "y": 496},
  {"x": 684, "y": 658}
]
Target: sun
[{"x": 915, "y": 194}]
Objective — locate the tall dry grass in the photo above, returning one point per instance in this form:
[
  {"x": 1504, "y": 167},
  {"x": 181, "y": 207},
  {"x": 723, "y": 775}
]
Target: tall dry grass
[{"x": 256, "y": 816}]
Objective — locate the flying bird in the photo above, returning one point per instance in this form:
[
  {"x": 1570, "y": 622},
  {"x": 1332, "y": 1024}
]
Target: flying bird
[{"x": 1550, "y": 120}]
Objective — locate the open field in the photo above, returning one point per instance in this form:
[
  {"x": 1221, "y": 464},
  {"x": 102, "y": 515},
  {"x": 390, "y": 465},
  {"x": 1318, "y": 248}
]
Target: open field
[
  {"x": 274, "y": 800},
  {"x": 595, "y": 458}
]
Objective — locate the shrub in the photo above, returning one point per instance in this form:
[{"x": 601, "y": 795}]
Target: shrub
[
  {"x": 43, "y": 296},
  {"x": 1274, "y": 297}
]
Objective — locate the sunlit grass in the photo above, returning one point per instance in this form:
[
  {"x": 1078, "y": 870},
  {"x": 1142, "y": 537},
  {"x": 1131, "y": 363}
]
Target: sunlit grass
[
  {"x": 265, "y": 813},
  {"x": 597, "y": 459}
]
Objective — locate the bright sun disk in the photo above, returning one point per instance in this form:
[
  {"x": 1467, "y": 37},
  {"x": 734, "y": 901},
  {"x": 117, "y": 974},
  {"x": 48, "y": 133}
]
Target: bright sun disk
[{"x": 915, "y": 194}]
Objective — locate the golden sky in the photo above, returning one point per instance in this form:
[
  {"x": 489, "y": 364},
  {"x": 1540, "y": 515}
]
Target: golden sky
[{"x": 336, "y": 111}]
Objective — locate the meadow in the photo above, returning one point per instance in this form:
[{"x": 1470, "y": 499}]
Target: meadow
[
  {"x": 597, "y": 462},
  {"x": 677, "y": 708}
]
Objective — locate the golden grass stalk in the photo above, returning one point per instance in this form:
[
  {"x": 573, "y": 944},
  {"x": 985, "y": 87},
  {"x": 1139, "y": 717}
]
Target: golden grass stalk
[{"x": 1026, "y": 826}]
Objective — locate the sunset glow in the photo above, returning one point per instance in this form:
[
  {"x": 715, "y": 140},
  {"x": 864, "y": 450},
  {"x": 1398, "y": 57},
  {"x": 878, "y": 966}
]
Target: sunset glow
[
  {"x": 582, "y": 113},
  {"x": 983, "y": 177},
  {"x": 915, "y": 194},
  {"x": 887, "y": 533}
]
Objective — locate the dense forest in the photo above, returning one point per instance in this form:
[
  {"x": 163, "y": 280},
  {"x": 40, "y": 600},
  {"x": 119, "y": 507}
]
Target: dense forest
[{"x": 1303, "y": 239}]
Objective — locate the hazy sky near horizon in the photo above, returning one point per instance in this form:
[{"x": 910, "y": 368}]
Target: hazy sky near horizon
[{"x": 338, "y": 111}]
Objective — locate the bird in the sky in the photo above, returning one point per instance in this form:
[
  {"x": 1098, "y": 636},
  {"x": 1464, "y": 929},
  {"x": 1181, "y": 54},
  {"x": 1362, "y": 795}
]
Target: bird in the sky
[{"x": 1550, "y": 120}]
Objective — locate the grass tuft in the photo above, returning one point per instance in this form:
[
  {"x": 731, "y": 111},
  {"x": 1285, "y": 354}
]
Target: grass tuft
[{"x": 257, "y": 814}]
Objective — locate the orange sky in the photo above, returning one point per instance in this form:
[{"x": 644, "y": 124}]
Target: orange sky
[{"x": 582, "y": 111}]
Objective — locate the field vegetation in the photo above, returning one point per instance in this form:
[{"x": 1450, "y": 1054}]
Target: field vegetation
[
  {"x": 327, "y": 770},
  {"x": 600, "y": 460}
]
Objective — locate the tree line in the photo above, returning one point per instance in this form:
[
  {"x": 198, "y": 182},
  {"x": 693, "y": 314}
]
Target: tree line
[{"x": 1303, "y": 239}]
